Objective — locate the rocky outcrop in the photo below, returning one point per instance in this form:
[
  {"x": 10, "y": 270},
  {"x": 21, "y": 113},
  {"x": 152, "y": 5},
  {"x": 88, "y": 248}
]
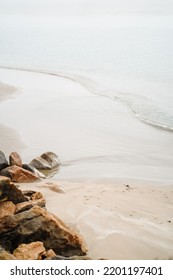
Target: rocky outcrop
[
  {"x": 31, "y": 251},
  {"x": 15, "y": 159},
  {"x": 37, "y": 224},
  {"x": 28, "y": 173},
  {"x": 3, "y": 161},
  {"x": 9, "y": 192},
  {"x": 46, "y": 161},
  {"x": 19, "y": 175},
  {"x": 27, "y": 230}
]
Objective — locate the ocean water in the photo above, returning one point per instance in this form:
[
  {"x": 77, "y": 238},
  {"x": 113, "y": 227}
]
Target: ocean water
[{"x": 129, "y": 64}]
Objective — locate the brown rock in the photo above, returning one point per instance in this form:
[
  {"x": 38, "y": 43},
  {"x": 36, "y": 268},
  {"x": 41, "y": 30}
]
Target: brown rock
[
  {"x": 53, "y": 186},
  {"x": 19, "y": 175},
  {"x": 15, "y": 159},
  {"x": 36, "y": 195},
  {"x": 37, "y": 224},
  {"x": 30, "y": 251},
  {"x": 24, "y": 206},
  {"x": 47, "y": 255},
  {"x": 9, "y": 192},
  {"x": 7, "y": 208}
]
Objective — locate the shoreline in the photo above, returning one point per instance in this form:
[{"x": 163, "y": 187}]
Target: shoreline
[
  {"x": 8, "y": 134},
  {"x": 116, "y": 221}
]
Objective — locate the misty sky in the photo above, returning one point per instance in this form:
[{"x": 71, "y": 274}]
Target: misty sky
[{"x": 84, "y": 7}]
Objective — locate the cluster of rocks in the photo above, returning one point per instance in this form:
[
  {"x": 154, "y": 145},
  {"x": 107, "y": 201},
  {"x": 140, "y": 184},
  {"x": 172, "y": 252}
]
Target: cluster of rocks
[
  {"x": 27, "y": 173},
  {"x": 29, "y": 232}
]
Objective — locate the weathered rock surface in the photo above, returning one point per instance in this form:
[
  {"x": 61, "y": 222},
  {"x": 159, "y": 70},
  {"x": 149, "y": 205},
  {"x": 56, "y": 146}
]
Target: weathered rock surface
[
  {"x": 46, "y": 161},
  {"x": 3, "y": 161},
  {"x": 15, "y": 159},
  {"x": 37, "y": 224},
  {"x": 30, "y": 251},
  {"x": 9, "y": 192},
  {"x": 24, "y": 206},
  {"x": 7, "y": 208},
  {"x": 4, "y": 255},
  {"x": 19, "y": 175},
  {"x": 34, "y": 170},
  {"x": 52, "y": 159}
]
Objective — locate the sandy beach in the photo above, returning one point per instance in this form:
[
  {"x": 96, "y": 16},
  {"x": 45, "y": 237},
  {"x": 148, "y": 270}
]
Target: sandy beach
[{"x": 117, "y": 179}]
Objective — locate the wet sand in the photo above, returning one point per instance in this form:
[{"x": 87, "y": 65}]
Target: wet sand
[{"x": 103, "y": 148}]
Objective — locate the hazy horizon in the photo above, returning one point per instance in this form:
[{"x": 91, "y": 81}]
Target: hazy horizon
[{"x": 84, "y": 7}]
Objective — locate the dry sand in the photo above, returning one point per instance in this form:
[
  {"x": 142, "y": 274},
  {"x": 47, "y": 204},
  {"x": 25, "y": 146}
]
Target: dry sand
[
  {"x": 116, "y": 221},
  {"x": 98, "y": 162}
]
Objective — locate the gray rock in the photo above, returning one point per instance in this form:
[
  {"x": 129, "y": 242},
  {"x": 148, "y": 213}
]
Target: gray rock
[
  {"x": 34, "y": 171},
  {"x": 47, "y": 161},
  {"x": 3, "y": 161}
]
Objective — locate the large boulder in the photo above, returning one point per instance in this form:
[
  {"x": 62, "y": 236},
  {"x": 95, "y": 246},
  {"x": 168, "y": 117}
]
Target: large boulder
[
  {"x": 3, "y": 161},
  {"x": 15, "y": 159},
  {"x": 19, "y": 175},
  {"x": 9, "y": 192},
  {"x": 47, "y": 161},
  {"x": 31, "y": 251},
  {"x": 7, "y": 208},
  {"x": 37, "y": 224}
]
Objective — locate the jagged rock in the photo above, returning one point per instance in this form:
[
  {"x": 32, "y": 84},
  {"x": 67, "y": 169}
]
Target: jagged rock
[
  {"x": 19, "y": 175},
  {"x": 37, "y": 224},
  {"x": 9, "y": 192},
  {"x": 3, "y": 161},
  {"x": 4, "y": 255},
  {"x": 7, "y": 208},
  {"x": 34, "y": 170},
  {"x": 24, "y": 206},
  {"x": 29, "y": 251},
  {"x": 46, "y": 161},
  {"x": 15, "y": 159}
]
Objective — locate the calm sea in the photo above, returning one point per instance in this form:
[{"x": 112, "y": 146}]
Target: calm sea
[{"x": 129, "y": 64}]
